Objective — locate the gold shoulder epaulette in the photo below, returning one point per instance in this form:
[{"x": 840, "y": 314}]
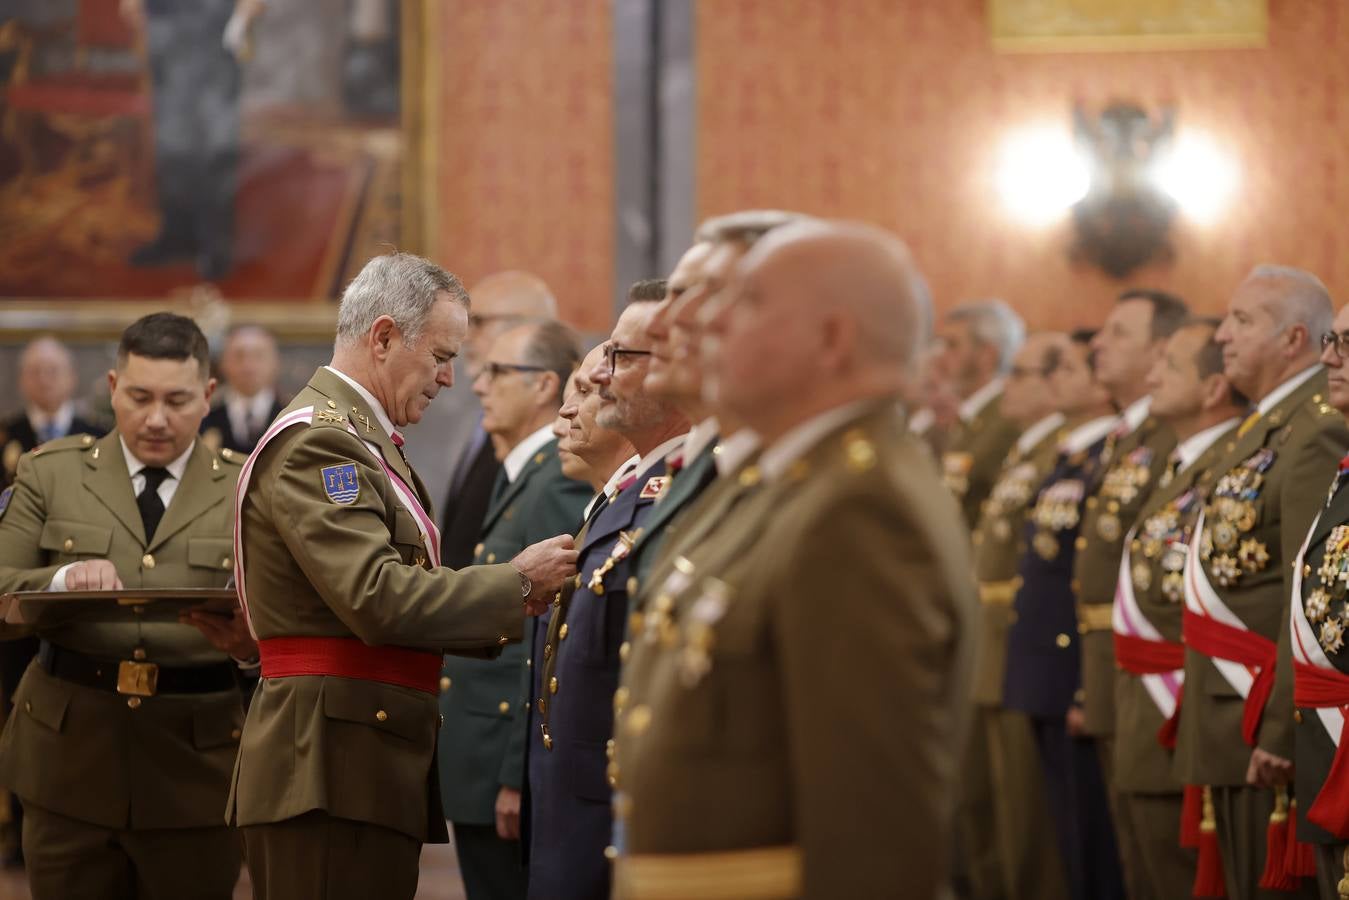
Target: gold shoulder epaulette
[
  {"x": 232, "y": 456},
  {"x": 69, "y": 442}
]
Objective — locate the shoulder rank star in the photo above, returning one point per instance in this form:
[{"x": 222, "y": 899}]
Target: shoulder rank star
[{"x": 324, "y": 415}]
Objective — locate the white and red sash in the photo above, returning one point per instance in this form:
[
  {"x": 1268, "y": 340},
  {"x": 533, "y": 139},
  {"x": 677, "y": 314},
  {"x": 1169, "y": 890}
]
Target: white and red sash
[
  {"x": 1318, "y": 685},
  {"x": 1140, "y": 648},
  {"x": 406, "y": 495},
  {"x": 1243, "y": 657}
]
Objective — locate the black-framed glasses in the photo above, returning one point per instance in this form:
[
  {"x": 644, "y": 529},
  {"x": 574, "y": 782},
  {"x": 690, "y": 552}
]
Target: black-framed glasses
[
  {"x": 1339, "y": 340},
  {"x": 612, "y": 353},
  {"x": 494, "y": 370}
]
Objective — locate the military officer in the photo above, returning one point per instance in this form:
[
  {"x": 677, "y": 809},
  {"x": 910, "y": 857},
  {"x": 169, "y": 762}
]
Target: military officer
[
  {"x": 338, "y": 566},
  {"x": 482, "y": 735},
  {"x": 980, "y": 340},
  {"x": 598, "y": 456},
  {"x": 1317, "y": 624},
  {"x": 1132, "y": 339},
  {"x": 577, "y": 659},
  {"x": 249, "y": 364},
  {"x": 1192, "y": 397},
  {"x": 1043, "y": 665},
  {"x": 676, "y": 365},
  {"x": 126, "y": 727},
  {"x": 1006, "y": 774},
  {"x": 746, "y": 747},
  {"x": 1267, "y": 485}
]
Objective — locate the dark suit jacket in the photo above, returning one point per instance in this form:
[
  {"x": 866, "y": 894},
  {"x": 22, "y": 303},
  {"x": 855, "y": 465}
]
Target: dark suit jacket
[
  {"x": 685, "y": 487},
  {"x": 1043, "y": 662},
  {"x": 216, "y": 426},
  {"x": 570, "y": 822},
  {"x": 482, "y": 734},
  {"x": 465, "y": 510},
  {"x": 17, "y": 437}
]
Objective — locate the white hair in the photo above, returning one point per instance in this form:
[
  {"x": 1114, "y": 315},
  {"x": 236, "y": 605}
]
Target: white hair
[
  {"x": 401, "y": 286},
  {"x": 1302, "y": 298},
  {"x": 993, "y": 323}
]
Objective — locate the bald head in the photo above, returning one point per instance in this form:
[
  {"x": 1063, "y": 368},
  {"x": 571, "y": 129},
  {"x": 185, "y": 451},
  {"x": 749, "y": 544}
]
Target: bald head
[
  {"x": 820, "y": 314},
  {"x": 46, "y": 374},
  {"x": 500, "y": 301}
]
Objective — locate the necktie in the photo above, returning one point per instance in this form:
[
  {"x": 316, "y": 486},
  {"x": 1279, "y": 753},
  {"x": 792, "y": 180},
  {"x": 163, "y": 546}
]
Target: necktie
[
  {"x": 149, "y": 503},
  {"x": 48, "y": 432},
  {"x": 498, "y": 488}
]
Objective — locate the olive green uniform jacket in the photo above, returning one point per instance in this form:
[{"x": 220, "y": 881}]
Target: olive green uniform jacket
[
  {"x": 482, "y": 737},
  {"x": 355, "y": 749},
  {"x": 1135, "y": 462},
  {"x": 1251, "y": 545},
  {"x": 974, "y": 454},
  {"x": 807, "y": 677},
  {"x": 97, "y": 756}
]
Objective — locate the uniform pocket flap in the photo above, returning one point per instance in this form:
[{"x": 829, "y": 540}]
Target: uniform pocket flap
[
  {"x": 405, "y": 530},
  {"x": 380, "y": 707},
  {"x": 66, "y": 536},
  {"x": 44, "y": 699},
  {"x": 216, "y": 726},
  {"x": 211, "y": 553}
]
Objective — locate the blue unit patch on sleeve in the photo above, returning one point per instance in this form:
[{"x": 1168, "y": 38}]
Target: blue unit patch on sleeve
[
  {"x": 340, "y": 483},
  {"x": 4, "y": 499}
]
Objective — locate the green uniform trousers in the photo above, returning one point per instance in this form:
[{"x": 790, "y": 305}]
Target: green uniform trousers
[
  {"x": 72, "y": 860},
  {"x": 321, "y": 857},
  {"x": 1330, "y": 870},
  {"x": 1242, "y": 817},
  {"x": 1156, "y": 865}
]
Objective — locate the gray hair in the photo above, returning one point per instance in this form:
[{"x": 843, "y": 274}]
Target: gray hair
[
  {"x": 993, "y": 323},
  {"x": 401, "y": 286},
  {"x": 1303, "y": 298},
  {"x": 743, "y": 227}
]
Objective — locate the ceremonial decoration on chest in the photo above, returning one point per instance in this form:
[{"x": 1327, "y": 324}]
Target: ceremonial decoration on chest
[
  {"x": 1230, "y": 517},
  {"x": 1010, "y": 495},
  {"x": 1123, "y": 485},
  {"x": 1058, "y": 509},
  {"x": 1329, "y": 587},
  {"x": 956, "y": 472},
  {"x": 1163, "y": 541}
]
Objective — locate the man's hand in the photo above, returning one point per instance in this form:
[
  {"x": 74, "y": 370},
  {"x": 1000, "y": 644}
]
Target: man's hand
[
  {"x": 1267, "y": 770},
  {"x": 227, "y": 634},
  {"x": 547, "y": 565},
  {"x": 508, "y": 814},
  {"x": 93, "y": 575},
  {"x": 1076, "y": 722}
]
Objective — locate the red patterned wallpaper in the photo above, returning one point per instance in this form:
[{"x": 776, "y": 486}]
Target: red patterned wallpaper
[
  {"x": 525, "y": 146},
  {"x": 891, "y": 111}
]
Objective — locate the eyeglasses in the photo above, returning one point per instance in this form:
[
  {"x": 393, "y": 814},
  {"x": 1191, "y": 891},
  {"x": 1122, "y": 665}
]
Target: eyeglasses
[
  {"x": 1339, "y": 339},
  {"x": 612, "y": 353},
  {"x": 494, "y": 370}
]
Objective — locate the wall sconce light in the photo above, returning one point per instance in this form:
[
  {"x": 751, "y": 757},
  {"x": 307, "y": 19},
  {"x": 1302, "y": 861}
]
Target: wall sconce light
[{"x": 1124, "y": 174}]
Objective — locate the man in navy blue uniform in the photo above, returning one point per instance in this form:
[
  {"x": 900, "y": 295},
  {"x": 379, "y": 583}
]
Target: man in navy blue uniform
[
  {"x": 576, "y": 658},
  {"x": 1043, "y": 662}
]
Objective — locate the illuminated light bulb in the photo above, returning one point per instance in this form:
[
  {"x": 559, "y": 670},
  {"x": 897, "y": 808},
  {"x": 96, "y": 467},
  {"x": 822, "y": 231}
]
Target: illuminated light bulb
[
  {"x": 1198, "y": 175},
  {"x": 1041, "y": 174}
]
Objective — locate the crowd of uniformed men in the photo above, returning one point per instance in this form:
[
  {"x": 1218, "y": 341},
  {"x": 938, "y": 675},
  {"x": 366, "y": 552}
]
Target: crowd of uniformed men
[{"x": 699, "y": 618}]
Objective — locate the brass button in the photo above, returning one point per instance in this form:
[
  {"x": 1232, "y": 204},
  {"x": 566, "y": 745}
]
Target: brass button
[
  {"x": 227, "y": 563},
  {"x": 1080, "y": 543},
  {"x": 69, "y": 545},
  {"x": 541, "y": 705},
  {"x": 1306, "y": 570},
  {"x": 552, "y": 685},
  {"x": 504, "y": 707},
  {"x": 609, "y": 749},
  {"x": 611, "y": 852},
  {"x": 1112, "y": 506},
  {"x": 237, "y": 733},
  {"x": 381, "y": 716},
  {"x": 491, "y": 558},
  {"x": 639, "y": 719},
  {"x": 86, "y": 440},
  {"x": 477, "y": 551},
  {"x": 148, "y": 561},
  {"x": 28, "y": 706},
  {"x": 1297, "y": 716},
  {"x": 503, "y": 640},
  {"x": 623, "y": 650},
  {"x": 138, "y": 653},
  {"x": 632, "y": 585},
  {"x": 611, "y": 773},
  {"x": 562, "y": 632},
  {"x": 445, "y": 683},
  {"x": 1063, "y": 641},
  {"x": 620, "y": 700},
  {"x": 134, "y": 702}
]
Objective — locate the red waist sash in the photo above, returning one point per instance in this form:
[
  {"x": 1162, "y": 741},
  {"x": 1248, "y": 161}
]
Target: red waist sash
[
  {"x": 1323, "y": 689},
  {"x": 350, "y": 658},
  {"x": 1221, "y": 641},
  {"x": 1140, "y": 656}
]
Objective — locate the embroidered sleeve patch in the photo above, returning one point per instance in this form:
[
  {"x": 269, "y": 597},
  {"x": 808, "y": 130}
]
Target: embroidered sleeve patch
[
  {"x": 340, "y": 483},
  {"x": 4, "y": 499}
]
